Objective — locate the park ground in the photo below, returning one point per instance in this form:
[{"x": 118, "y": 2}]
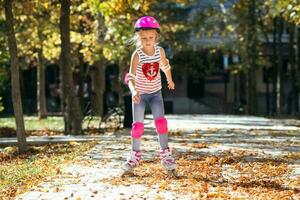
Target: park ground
[{"x": 218, "y": 157}]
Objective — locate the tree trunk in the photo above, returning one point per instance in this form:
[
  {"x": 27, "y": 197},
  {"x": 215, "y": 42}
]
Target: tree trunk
[
  {"x": 274, "y": 67},
  {"x": 41, "y": 77},
  {"x": 242, "y": 94},
  {"x": 123, "y": 66},
  {"x": 251, "y": 92},
  {"x": 252, "y": 55},
  {"x": 80, "y": 83},
  {"x": 63, "y": 99},
  {"x": 41, "y": 93},
  {"x": 41, "y": 83},
  {"x": 280, "y": 74},
  {"x": 98, "y": 72},
  {"x": 292, "y": 61},
  {"x": 98, "y": 87},
  {"x": 72, "y": 103},
  {"x": 16, "y": 95}
]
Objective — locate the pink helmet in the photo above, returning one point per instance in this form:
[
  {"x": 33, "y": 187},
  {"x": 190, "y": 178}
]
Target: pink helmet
[{"x": 146, "y": 22}]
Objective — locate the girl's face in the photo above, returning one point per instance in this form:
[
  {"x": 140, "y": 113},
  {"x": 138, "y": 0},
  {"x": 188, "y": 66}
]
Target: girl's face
[{"x": 148, "y": 38}]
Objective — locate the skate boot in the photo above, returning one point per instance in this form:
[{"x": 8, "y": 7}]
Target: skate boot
[
  {"x": 168, "y": 161},
  {"x": 133, "y": 160}
]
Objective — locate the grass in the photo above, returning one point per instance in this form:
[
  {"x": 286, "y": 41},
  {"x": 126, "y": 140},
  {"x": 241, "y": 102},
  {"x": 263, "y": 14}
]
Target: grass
[
  {"x": 18, "y": 173},
  {"x": 32, "y": 123}
]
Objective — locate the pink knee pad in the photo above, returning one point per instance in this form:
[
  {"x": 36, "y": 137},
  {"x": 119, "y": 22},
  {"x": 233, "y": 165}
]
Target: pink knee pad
[
  {"x": 161, "y": 125},
  {"x": 137, "y": 130}
]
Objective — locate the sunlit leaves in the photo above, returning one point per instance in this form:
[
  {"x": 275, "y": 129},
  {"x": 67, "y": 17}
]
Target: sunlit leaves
[
  {"x": 230, "y": 28},
  {"x": 119, "y": 16},
  {"x": 34, "y": 26},
  {"x": 289, "y": 9},
  {"x": 51, "y": 48},
  {"x": 37, "y": 27}
]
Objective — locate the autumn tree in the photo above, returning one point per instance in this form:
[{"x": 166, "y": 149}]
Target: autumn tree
[
  {"x": 246, "y": 28},
  {"x": 252, "y": 43},
  {"x": 98, "y": 72},
  {"x": 275, "y": 18},
  {"x": 16, "y": 94},
  {"x": 40, "y": 20},
  {"x": 30, "y": 49},
  {"x": 289, "y": 11},
  {"x": 73, "y": 116},
  {"x": 88, "y": 31},
  {"x": 34, "y": 32}
]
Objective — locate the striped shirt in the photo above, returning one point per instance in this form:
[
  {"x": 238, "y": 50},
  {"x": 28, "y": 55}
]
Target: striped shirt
[{"x": 148, "y": 79}]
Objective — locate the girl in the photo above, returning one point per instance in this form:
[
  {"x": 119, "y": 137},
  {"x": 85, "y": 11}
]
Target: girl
[{"x": 144, "y": 82}]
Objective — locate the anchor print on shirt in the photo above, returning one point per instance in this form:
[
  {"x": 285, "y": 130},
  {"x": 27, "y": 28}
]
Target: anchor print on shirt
[{"x": 150, "y": 70}]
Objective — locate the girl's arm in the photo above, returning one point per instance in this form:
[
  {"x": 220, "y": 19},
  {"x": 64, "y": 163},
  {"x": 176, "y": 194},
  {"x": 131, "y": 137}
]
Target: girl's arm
[
  {"x": 166, "y": 68},
  {"x": 132, "y": 71},
  {"x": 132, "y": 74}
]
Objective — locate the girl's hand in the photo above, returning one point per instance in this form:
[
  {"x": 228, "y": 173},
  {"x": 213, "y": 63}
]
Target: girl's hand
[
  {"x": 136, "y": 98},
  {"x": 171, "y": 85}
]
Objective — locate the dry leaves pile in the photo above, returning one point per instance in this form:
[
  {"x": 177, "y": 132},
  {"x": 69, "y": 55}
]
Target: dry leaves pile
[{"x": 226, "y": 176}]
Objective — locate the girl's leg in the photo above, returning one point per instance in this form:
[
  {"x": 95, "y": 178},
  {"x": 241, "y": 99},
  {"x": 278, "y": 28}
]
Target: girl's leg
[
  {"x": 157, "y": 108},
  {"x": 165, "y": 154},
  {"x": 136, "y": 132},
  {"x": 138, "y": 111}
]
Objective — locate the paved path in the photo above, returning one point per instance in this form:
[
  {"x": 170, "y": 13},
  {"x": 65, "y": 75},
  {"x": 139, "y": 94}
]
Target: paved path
[
  {"x": 229, "y": 148},
  {"x": 186, "y": 123}
]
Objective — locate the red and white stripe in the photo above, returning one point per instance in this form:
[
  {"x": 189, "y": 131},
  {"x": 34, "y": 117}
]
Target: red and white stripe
[{"x": 142, "y": 84}]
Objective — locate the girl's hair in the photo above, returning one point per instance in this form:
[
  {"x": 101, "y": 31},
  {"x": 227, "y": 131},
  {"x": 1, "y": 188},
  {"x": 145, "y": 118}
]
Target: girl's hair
[{"x": 135, "y": 39}]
